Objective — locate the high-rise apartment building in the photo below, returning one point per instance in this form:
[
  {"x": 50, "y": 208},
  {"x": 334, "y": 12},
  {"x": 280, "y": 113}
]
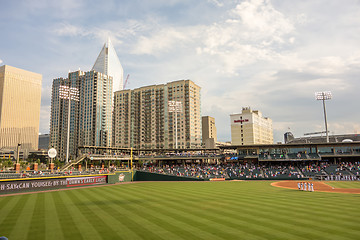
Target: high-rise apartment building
[
  {"x": 109, "y": 64},
  {"x": 209, "y": 136},
  {"x": 90, "y": 111},
  {"x": 250, "y": 127},
  {"x": 144, "y": 118},
  {"x": 20, "y": 99}
]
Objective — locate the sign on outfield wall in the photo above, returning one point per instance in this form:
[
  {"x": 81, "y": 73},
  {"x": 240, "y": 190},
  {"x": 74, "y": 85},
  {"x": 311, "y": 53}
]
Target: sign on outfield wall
[
  {"x": 81, "y": 181},
  {"x": 48, "y": 184}
]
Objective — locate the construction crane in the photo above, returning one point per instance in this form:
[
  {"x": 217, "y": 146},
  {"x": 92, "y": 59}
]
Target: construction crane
[{"x": 126, "y": 80}]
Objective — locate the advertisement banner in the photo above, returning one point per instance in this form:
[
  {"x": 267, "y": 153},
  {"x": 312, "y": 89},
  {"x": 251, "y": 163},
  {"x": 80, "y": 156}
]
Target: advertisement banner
[
  {"x": 36, "y": 184},
  {"x": 48, "y": 184},
  {"x": 82, "y": 181}
]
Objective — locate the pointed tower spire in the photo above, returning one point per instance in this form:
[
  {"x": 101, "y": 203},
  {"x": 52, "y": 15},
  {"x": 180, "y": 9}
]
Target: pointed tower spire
[{"x": 108, "y": 63}]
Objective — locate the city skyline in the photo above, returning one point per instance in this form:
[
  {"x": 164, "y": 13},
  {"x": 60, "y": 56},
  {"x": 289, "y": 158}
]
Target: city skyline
[{"x": 268, "y": 55}]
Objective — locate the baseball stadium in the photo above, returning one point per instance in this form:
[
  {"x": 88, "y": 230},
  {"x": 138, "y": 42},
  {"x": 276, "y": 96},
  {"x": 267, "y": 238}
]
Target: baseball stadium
[{"x": 279, "y": 191}]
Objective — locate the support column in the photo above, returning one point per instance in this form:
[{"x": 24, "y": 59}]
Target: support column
[
  {"x": 51, "y": 166},
  {"x": 17, "y": 167}
]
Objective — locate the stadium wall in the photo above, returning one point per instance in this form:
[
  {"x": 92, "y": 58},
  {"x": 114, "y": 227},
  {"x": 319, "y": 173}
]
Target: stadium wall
[
  {"x": 8, "y": 186},
  {"x": 148, "y": 176}
]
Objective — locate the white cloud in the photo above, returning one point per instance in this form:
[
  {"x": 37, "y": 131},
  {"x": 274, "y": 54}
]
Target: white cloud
[
  {"x": 344, "y": 127},
  {"x": 118, "y": 31},
  {"x": 252, "y": 34},
  {"x": 65, "y": 9},
  {"x": 164, "y": 40},
  {"x": 216, "y": 3},
  {"x": 1, "y": 61},
  {"x": 302, "y": 19},
  {"x": 262, "y": 20},
  {"x": 327, "y": 65},
  {"x": 66, "y": 29}
]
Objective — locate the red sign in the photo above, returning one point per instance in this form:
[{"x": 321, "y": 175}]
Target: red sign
[
  {"x": 81, "y": 181},
  {"x": 217, "y": 179},
  {"x": 241, "y": 121}
]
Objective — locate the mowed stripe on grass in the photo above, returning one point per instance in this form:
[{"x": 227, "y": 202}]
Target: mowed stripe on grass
[
  {"x": 181, "y": 210},
  {"x": 343, "y": 184}
]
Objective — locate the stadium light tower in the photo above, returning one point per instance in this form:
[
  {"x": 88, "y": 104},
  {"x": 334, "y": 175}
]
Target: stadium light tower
[
  {"x": 175, "y": 107},
  {"x": 324, "y": 96},
  {"x": 69, "y": 93}
]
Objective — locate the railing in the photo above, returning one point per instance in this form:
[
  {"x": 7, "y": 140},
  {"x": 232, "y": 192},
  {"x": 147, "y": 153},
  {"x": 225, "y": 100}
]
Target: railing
[
  {"x": 76, "y": 161},
  {"x": 108, "y": 157}
]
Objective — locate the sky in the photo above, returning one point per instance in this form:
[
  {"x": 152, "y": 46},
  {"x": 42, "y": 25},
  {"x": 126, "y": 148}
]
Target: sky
[{"x": 269, "y": 55}]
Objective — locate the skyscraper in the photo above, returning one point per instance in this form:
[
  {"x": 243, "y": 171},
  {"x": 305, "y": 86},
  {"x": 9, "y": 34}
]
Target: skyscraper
[
  {"x": 90, "y": 114},
  {"x": 20, "y": 99},
  {"x": 250, "y": 127},
  {"x": 95, "y": 113},
  {"x": 143, "y": 118},
  {"x": 109, "y": 64},
  {"x": 209, "y": 136}
]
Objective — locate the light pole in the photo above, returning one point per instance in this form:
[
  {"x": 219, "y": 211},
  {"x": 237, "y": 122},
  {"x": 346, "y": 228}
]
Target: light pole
[
  {"x": 69, "y": 93},
  {"x": 175, "y": 107},
  {"x": 18, "y": 153},
  {"x": 324, "y": 96}
]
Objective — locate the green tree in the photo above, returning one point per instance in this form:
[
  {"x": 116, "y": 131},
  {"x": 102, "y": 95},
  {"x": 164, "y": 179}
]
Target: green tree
[
  {"x": 57, "y": 163},
  {"x": 31, "y": 158},
  {"x": 8, "y": 163}
]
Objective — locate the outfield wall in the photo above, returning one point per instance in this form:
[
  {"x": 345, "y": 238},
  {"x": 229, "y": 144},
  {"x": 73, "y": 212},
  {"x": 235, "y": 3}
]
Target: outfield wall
[
  {"x": 8, "y": 186},
  {"x": 122, "y": 176},
  {"x": 148, "y": 176},
  {"x": 269, "y": 178}
]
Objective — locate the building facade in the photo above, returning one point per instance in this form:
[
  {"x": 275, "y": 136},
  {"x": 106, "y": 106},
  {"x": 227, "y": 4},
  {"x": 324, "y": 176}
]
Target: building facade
[
  {"x": 20, "y": 100},
  {"x": 90, "y": 111},
  {"x": 109, "y": 64},
  {"x": 143, "y": 118},
  {"x": 209, "y": 135},
  {"x": 44, "y": 140},
  {"x": 250, "y": 127}
]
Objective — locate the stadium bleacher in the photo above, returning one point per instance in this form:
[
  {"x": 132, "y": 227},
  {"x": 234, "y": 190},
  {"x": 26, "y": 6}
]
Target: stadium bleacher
[{"x": 270, "y": 170}]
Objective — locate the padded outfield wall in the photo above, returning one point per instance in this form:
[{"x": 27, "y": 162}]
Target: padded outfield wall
[
  {"x": 148, "y": 176},
  {"x": 8, "y": 186}
]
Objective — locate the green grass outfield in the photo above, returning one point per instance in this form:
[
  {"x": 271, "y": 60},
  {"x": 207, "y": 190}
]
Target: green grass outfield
[
  {"x": 181, "y": 210},
  {"x": 343, "y": 184}
]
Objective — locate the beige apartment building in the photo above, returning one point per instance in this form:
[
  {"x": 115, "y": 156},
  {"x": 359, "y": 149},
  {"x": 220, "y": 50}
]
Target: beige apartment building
[
  {"x": 209, "y": 137},
  {"x": 20, "y": 100},
  {"x": 250, "y": 127},
  {"x": 147, "y": 118}
]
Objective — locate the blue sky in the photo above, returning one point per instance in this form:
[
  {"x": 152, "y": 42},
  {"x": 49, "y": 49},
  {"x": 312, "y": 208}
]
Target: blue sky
[{"x": 271, "y": 55}]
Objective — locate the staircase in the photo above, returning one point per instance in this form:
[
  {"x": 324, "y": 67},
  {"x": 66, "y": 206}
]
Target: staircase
[
  {"x": 76, "y": 161},
  {"x": 300, "y": 172}
]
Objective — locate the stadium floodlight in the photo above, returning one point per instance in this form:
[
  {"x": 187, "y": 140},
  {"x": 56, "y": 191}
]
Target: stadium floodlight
[
  {"x": 326, "y": 95},
  {"x": 69, "y": 93},
  {"x": 175, "y": 107}
]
